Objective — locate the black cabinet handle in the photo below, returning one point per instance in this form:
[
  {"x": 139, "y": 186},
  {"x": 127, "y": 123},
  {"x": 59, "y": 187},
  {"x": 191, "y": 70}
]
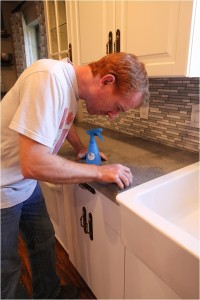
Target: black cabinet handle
[
  {"x": 87, "y": 226},
  {"x": 88, "y": 187},
  {"x": 83, "y": 220},
  {"x": 90, "y": 223},
  {"x": 117, "y": 41},
  {"x": 70, "y": 52},
  {"x": 109, "y": 44}
]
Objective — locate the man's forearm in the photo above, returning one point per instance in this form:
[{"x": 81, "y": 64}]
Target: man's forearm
[
  {"x": 74, "y": 139},
  {"x": 38, "y": 163}
]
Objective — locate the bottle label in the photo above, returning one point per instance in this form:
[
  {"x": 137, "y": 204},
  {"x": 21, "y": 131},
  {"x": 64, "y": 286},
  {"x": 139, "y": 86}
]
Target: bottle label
[{"x": 91, "y": 156}]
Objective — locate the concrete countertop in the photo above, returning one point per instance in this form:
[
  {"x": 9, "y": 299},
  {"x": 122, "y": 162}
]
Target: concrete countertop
[{"x": 146, "y": 159}]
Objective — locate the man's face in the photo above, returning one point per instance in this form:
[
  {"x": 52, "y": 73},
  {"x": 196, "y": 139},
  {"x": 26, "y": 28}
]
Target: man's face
[{"x": 110, "y": 103}]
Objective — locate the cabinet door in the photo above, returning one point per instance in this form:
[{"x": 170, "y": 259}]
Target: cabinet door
[
  {"x": 54, "y": 198},
  {"x": 94, "y": 21},
  {"x": 99, "y": 261},
  {"x": 57, "y": 17},
  {"x": 158, "y": 32}
]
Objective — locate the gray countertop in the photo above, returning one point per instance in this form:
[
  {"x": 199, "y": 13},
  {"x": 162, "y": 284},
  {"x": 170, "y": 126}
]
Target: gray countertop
[{"x": 146, "y": 159}]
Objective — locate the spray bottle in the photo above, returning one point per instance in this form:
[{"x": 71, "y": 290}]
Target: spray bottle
[{"x": 93, "y": 157}]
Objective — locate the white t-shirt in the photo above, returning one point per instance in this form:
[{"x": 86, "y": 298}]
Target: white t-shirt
[{"x": 41, "y": 105}]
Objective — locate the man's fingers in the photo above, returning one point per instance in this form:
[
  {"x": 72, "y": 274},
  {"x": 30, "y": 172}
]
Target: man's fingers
[
  {"x": 119, "y": 174},
  {"x": 103, "y": 156}
]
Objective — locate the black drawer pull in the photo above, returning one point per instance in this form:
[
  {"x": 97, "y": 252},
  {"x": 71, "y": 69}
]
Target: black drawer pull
[{"x": 88, "y": 187}]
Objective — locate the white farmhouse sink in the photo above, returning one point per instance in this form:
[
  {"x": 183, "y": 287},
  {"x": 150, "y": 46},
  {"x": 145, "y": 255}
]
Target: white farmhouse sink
[{"x": 160, "y": 226}]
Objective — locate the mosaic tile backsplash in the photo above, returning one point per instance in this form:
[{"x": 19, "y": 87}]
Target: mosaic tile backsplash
[{"x": 169, "y": 119}]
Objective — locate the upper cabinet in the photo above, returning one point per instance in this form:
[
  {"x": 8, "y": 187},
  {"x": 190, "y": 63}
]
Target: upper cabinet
[
  {"x": 163, "y": 34},
  {"x": 93, "y": 18},
  {"x": 158, "y": 32},
  {"x": 59, "y": 35}
]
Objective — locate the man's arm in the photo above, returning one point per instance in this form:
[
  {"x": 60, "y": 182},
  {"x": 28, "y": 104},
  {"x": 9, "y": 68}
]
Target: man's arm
[
  {"x": 74, "y": 140},
  {"x": 38, "y": 163}
]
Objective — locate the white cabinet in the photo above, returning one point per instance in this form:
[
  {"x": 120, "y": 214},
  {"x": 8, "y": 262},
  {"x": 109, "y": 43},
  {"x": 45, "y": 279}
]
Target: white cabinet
[
  {"x": 59, "y": 28},
  {"x": 159, "y": 32},
  {"x": 54, "y": 198},
  {"x": 93, "y": 18},
  {"x": 163, "y": 34},
  {"x": 100, "y": 260},
  {"x": 109, "y": 269}
]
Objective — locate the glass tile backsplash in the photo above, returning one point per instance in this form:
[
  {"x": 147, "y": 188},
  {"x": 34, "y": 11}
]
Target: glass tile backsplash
[{"x": 169, "y": 118}]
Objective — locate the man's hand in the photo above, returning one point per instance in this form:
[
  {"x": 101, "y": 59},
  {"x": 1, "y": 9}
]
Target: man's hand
[
  {"x": 116, "y": 173},
  {"x": 83, "y": 152}
]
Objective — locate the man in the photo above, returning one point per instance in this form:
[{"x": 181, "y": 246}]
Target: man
[{"x": 37, "y": 116}]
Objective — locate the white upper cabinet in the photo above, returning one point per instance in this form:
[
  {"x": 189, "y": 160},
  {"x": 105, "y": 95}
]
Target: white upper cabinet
[
  {"x": 163, "y": 34},
  {"x": 59, "y": 30},
  {"x": 91, "y": 23},
  {"x": 160, "y": 33}
]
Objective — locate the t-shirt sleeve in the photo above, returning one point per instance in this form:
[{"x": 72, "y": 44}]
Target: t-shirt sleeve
[{"x": 39, "y": 112}]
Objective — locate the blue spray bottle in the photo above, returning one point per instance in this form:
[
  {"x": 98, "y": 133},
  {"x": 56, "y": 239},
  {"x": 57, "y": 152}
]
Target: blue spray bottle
[{"x": 93, "y": 157}]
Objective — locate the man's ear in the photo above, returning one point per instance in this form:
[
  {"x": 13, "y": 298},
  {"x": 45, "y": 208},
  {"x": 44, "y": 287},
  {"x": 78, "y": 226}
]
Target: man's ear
[{"x": 108, "y": 79}]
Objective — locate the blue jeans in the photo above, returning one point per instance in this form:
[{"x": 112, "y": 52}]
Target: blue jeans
[{"x": 32, "y": 218}]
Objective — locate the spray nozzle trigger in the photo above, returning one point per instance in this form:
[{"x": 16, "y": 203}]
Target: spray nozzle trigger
[{"x": 95, "y": 132}]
